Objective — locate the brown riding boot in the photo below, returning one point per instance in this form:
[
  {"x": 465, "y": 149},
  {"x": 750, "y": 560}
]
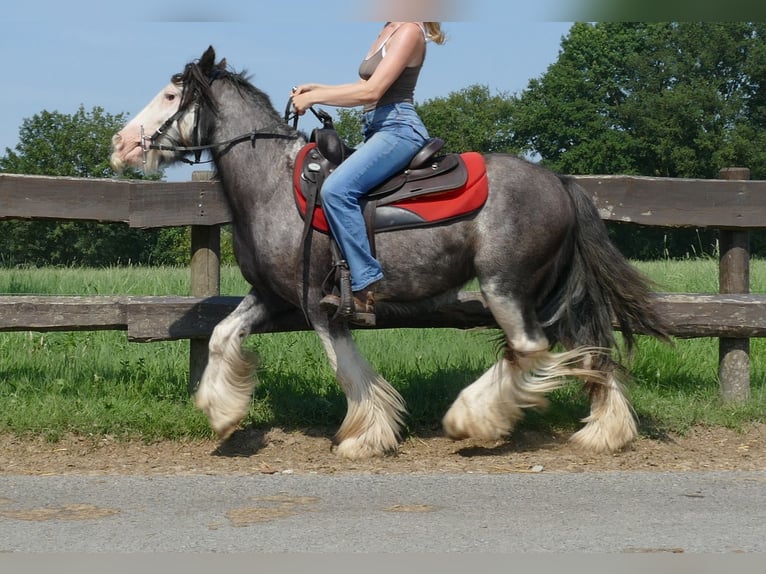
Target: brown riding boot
[{"x": 363, "y": 303}]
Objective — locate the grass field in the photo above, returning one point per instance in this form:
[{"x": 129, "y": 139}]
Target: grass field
[{"x": 96, "y": 383}]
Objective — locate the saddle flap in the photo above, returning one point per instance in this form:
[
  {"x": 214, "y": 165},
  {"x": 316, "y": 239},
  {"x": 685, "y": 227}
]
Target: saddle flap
[{"x": 448, "y": 172}]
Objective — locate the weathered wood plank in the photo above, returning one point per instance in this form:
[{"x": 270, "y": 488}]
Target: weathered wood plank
[
  {"x": 159, "y": 204},
  {"x": 672, "y": 202},
  {"x": 58, "y": 313},
  {"x": 168, "y": 318},
  {"x": 142, "y": 204},
  {"x": 702, "y": 315},
  {"x": 171, "y": 318},
  {"x": 39, "y": 197},
  {"x": 690, "y": 315},
  {"x": 662, "y": 202}
]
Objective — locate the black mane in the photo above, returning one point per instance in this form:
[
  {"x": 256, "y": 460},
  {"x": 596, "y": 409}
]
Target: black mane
[{"x": 198, "y": 78}]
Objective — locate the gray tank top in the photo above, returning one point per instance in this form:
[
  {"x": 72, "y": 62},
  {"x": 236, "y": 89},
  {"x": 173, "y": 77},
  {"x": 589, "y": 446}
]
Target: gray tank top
[{"x": 403, "y": 88}]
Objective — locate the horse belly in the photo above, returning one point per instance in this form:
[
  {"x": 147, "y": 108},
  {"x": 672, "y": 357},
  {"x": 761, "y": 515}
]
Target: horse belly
[{"x": 426, "y": 262}]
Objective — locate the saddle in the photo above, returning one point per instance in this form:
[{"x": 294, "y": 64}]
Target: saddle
[{"x": 432, "y": 190}]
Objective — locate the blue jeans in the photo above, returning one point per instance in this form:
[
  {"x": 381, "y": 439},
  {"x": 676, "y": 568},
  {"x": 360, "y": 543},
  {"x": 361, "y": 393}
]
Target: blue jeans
[{"x": 393, "y": 135}]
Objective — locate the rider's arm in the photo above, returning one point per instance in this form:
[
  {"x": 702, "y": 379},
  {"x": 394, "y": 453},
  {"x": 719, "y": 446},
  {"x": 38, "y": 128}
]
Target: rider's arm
[{"x": 404, "y": 48}]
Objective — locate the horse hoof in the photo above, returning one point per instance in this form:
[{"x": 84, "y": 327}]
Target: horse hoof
[
  {"x": 353, "y": 449},
  {"x": 453, "y": 428},
  {"x": 226, "y": 432},
  {"x": 461, "y": 423}
]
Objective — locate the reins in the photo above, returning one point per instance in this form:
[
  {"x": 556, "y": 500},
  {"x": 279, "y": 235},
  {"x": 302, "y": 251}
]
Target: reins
[{"x": 197, "y": 149}]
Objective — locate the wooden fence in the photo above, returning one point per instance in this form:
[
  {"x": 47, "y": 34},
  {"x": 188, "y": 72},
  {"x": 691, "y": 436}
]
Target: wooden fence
[{"x": 733, "y": 204}]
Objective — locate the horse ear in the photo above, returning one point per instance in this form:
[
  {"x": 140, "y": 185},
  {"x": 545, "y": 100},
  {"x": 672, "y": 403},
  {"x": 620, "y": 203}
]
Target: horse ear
[
  {"x": 207, "y": 61},
  {"x": 222, "y": 65}
]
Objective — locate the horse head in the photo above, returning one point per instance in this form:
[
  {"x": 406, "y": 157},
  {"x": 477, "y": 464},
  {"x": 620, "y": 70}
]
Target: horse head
[{"x": 162, "y": 132}]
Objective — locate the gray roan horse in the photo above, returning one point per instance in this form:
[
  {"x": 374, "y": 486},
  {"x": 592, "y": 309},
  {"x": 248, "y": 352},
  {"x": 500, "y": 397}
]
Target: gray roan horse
[{"x": 539, "y": 250}]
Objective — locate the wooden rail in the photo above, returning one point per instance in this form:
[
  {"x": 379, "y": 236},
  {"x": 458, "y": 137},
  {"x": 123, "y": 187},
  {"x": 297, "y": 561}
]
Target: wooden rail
[
  {"x": 167, "y": 318},
  {"x": 732, "y": 204}
]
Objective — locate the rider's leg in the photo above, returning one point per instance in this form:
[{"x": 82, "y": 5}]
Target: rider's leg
[{"x": 394, "y": 135}]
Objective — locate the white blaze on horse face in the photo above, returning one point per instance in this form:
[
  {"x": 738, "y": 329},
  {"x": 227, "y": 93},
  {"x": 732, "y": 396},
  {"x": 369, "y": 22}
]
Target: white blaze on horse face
[{"x": 126, "y": 144}]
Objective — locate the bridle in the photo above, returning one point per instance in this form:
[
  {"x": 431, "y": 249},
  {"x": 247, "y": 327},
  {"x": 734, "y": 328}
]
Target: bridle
[{"x": 150, "y": 142}]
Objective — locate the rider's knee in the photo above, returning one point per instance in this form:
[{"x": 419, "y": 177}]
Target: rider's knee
[{"x": 335, "y": 197}]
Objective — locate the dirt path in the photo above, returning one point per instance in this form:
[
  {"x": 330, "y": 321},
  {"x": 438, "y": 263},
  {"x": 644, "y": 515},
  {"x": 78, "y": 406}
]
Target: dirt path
[{"x": 274, "y": 451}]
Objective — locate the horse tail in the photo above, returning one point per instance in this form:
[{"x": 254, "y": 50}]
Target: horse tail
[{"x": 600, "y": 285}]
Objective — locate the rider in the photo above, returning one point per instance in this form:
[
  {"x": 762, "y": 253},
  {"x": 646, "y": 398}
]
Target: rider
[{"x": 393, "y": 134}]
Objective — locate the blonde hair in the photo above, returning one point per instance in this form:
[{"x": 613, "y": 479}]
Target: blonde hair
[{"x": 434, "y": 32}]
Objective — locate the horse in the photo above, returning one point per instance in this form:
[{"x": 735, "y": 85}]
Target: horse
[{"x": 546, "y": 268}]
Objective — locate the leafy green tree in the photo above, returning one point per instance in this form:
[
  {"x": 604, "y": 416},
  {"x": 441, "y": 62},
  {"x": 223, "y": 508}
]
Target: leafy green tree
[
  {"x": 661, "y": 99},
  {"x": 349, "y": 125},
  {"x": 77, "y": 145},
  {"x": 470, "y": 119},
  {"x": 56, "y": 144},
  {"x": 658, "y": 99}
]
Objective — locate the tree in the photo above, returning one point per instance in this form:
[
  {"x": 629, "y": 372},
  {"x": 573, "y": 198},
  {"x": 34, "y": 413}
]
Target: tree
[
  {"x": 77, "y": 145},
  {"x": 349, "y": 125},
  {"x": 657, "y": 99},
  {"x": 56, "y": 144},
  {"x": 660, "y": 99},
  {"x": 470, "y": 119}
]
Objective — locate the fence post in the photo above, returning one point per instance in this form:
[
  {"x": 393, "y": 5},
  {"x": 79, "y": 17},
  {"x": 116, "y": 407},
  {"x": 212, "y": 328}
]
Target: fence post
[
  {"x": 205, "y": 281},
  {"x": 734, "y": 277}
]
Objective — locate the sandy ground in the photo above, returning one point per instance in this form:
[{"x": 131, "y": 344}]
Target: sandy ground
[{"x": 310, "y": 451}]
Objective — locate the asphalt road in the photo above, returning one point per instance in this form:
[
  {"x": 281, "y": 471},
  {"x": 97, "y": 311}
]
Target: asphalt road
[{"x": 716, "y": 512}]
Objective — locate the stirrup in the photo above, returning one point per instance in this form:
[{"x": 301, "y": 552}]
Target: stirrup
[
  {"x": 345, "y": 306},
  {"x": 362, "y": 313}
]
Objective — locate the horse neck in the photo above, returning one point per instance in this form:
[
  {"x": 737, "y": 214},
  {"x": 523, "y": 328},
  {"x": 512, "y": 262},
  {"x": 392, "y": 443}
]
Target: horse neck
[{"x": 251, "y": 180}]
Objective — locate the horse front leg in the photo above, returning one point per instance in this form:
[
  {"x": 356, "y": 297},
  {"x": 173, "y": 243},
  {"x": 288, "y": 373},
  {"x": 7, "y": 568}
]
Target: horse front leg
[
  {"x": 227, "y": 384},
  {"x": 376, "y": 410}
]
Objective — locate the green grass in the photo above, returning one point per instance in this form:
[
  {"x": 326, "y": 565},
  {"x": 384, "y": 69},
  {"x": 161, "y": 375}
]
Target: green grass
[{"x": 96, "y": 383}]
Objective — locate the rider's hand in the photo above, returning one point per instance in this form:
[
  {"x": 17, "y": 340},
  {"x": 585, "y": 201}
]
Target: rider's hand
[{"x": 300, "y": 98}]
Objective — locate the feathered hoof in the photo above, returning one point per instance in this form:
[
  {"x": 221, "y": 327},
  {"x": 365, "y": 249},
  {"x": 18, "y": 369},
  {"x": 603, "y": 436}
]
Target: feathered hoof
[
  {"x": 225, "y": 432},
  {"x": 597, "y": 437},
  {"x": 459, "y": 423},
  {"x": 223, "y": 424},
  {"x": 357, "y": 449}
]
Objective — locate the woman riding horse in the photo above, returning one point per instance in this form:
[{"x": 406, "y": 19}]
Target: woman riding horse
[{"x": 393, "y": 134}]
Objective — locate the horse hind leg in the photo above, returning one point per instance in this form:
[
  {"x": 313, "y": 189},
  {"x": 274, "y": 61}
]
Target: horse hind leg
[
  {"x": 491, "y": 406},
  {"x": 227, "y": 384},
  {"x": 376, "y": 411},
  {"x": 611, "y": 424}
]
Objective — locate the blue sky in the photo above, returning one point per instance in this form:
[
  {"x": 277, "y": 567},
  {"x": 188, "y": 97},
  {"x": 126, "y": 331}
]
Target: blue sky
[{"x": 60, "y": 55}]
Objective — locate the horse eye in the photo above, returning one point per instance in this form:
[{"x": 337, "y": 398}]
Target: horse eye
[{"x": 170, "y": 97}]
